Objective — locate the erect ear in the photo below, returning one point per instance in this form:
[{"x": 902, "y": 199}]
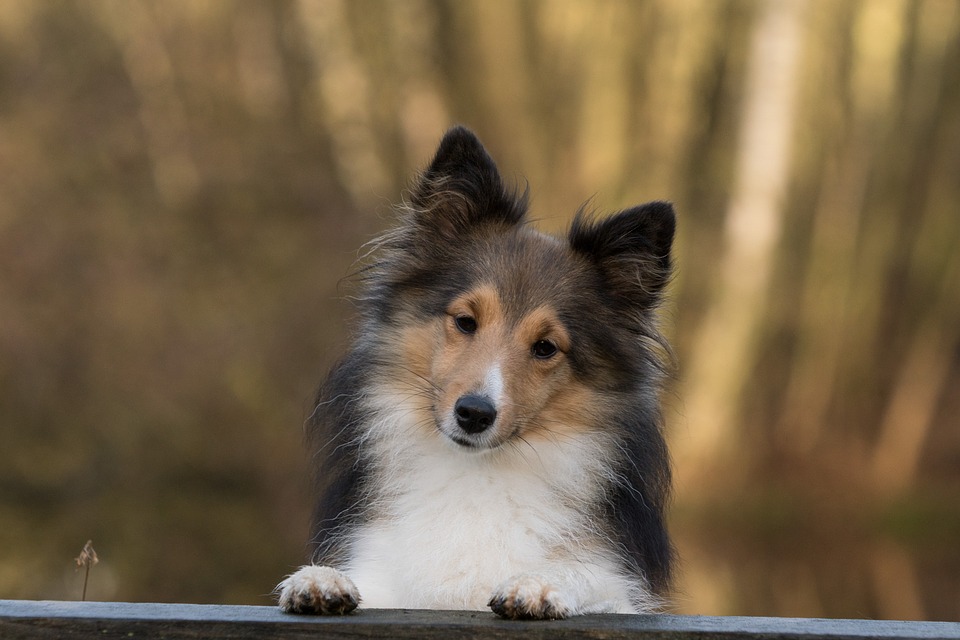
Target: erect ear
[
  {"x": 631, "y": 249},
  {"x": 462, "y": 188}
]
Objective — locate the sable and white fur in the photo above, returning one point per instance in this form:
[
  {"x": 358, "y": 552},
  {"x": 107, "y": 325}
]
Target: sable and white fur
[{"x": 493, "y": 438}]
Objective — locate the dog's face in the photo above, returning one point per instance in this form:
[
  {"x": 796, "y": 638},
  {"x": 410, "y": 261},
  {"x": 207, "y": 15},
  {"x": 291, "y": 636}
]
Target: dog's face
[
  {"x": 494, "y": 356},
  {"x": 497, "y": 372},
  {"x": 504, "y": 334}
]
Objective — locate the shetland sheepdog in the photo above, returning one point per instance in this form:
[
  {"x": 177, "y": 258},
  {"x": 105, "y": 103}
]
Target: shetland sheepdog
[{"x": 493, "y": 438}]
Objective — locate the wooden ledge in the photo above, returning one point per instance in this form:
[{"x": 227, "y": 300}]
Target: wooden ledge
[{"x": 51, "y": 619}]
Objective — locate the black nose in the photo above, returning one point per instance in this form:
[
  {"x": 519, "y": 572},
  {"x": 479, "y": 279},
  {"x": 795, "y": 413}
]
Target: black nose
[{"x": 475, "y": 413}]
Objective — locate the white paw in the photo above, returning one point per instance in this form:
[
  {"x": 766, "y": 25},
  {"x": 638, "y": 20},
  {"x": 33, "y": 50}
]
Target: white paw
[
  {"x": 530, "y": 597},
  {"x": 315, "y": 589}
]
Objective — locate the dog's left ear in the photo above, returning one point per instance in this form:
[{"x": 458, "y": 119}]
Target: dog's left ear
[
  {"x": 462, "y": 188},
  {"x": 631, "y": 248}
]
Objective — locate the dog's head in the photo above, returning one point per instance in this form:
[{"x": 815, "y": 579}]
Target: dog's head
[{"x": 499, "y": 332}]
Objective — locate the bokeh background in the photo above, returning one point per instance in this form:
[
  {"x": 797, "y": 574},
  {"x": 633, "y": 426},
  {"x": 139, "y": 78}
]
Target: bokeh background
[{"x": 184, "y": 185}]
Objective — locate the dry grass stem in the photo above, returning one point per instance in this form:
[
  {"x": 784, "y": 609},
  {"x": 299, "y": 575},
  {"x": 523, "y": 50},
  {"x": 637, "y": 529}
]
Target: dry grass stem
[{"x": 87, "y": 558}]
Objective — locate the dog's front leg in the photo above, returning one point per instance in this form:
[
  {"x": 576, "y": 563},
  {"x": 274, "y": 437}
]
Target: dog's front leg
[
  {"x": 317, "y": 589},
  {"x": 553, "y": 595},
  {"x": 529, "y": 596}
]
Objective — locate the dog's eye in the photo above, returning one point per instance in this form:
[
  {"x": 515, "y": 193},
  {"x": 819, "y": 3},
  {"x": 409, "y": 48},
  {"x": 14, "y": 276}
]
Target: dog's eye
[
  {"x": 543, "y": 349},
  {"x": 466, "y": 324}
]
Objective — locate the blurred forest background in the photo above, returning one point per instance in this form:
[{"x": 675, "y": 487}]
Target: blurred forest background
[{"x": 185, "y": 183}]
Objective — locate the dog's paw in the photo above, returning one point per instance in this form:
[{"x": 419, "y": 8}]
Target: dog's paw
[
  {"x": 530, "y": 597},
  {"x": 318, "y": 590}
]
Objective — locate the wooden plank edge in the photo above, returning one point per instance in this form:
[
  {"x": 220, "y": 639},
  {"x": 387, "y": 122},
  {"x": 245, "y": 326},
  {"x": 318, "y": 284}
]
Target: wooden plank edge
[{"x": 41, "y": 619}]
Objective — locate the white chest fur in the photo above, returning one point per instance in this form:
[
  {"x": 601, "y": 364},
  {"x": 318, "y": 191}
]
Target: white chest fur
[{"x": 449, "y": 526}]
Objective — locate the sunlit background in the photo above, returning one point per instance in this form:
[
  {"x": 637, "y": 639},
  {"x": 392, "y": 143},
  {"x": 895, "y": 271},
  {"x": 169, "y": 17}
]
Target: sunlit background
[{"x": 185, "y": 183}]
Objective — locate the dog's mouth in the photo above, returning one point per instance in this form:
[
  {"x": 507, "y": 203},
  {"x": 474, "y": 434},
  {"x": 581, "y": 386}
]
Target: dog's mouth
[
  {"x": 489, "y": 439},
  {"x": 470, "y": 442},
  {"x": 464, "y": 442}
]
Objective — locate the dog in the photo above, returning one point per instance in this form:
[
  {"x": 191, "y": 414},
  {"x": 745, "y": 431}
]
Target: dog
[{"x": 494, "y": 437}]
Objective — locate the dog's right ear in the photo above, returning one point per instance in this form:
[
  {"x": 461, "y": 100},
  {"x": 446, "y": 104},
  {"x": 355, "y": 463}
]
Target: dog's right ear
[{"x": 462, "y": 188}]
